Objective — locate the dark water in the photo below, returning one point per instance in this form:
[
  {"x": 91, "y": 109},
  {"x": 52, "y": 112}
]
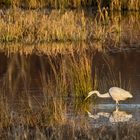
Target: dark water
[
  {"x": 107, "y": 114},
  {"x": 24, "y": 80},
  {"x": 117, "y": 68},
  {"x": 57, "y": 78}
]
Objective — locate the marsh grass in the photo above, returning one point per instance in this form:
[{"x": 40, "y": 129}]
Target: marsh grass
[
  {"x": 48, "y": 124},
  {"x": 63, "y": 4},
  {"x": 80, "y": 75},
  {"x": 52, "y": 121},
  {"x": 48, "y": 3},
  {"x": 70, "y": 26},
  {"x": 61, "y": 26},
  {"x": 51, "y": 117},
  {"x": 70, "y": 69},
  {"x": 129, "y": 5},
  {"x": 73, "y": 77},
  {"x": 37, "y": 26},
  {"x": 34, "y": 26},
  {"x": 50, "y": 49}
]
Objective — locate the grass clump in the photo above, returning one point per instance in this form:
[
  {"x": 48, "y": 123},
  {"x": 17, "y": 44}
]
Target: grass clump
[
  {"x": 71, "y": 79},
  {"x": 79, "y": 75}
]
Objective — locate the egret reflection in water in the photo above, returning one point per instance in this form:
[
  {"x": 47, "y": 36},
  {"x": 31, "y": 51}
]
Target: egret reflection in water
[
  {"x": 115, "y": 93},
  {"x": 113, "y": 117}
]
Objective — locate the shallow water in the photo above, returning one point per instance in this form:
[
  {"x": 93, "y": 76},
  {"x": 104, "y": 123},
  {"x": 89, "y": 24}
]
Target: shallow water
[
  {"x": 22, "y": 83},
  {"x": 57, "y": 78},
  {"x": 119, "y": 69},
  {"x": 107, "y": 114}
]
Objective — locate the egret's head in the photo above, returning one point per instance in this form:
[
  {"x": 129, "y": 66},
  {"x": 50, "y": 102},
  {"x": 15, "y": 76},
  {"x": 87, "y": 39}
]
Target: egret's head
[{"x": 130, "y": 95}]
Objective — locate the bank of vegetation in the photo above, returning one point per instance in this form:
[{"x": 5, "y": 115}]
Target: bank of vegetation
[
  {"x": 44, "y": 26},
  {"x": 111, "y": 4},
  {"x": 37, "y": 21}
]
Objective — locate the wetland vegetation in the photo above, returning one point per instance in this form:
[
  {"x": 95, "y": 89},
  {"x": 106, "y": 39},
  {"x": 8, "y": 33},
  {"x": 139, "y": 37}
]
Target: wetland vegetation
[
  {"x": 111, "y": 4},
  {"x": 52, "y": 53}
]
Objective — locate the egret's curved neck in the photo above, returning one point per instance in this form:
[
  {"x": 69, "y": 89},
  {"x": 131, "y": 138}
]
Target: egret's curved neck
[{"x": 105, "y": 95}]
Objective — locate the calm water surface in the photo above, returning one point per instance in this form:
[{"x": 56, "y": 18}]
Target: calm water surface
[
  {"x": 22, "y": 81},
  {"x": 56, "y": 75}
]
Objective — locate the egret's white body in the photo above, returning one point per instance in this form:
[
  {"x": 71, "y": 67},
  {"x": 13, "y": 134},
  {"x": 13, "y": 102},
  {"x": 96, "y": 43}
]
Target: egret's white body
[{"x": 116, "y": 93}]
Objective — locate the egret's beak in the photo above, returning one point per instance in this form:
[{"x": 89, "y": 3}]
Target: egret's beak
[
  {"x": 86, "y": 98},
  {"x": 89, "y": 114},
  {"x": 89, "y": 94}
]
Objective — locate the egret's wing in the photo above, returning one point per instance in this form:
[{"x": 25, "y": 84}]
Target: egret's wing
[{"x": 118, "y": 93}]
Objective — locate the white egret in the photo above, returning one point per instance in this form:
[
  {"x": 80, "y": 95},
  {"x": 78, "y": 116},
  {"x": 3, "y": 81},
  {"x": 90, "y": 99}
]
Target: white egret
[{"x": 115, "y": 93}]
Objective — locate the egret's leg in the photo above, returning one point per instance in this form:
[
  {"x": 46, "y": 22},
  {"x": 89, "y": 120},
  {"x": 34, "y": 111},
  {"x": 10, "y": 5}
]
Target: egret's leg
[
  {"x": 117, "y": 108},
  {"x": 117, "y": 103}
]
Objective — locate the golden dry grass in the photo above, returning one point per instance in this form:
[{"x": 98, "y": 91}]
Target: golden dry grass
[
  {"x": 50, "y": 49},
  {"x": 125, "y": 5},
  {"x": 41, "y": 26},
  {"x": 112, "y": 4},
  {"x": 33, "y": 26}
]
